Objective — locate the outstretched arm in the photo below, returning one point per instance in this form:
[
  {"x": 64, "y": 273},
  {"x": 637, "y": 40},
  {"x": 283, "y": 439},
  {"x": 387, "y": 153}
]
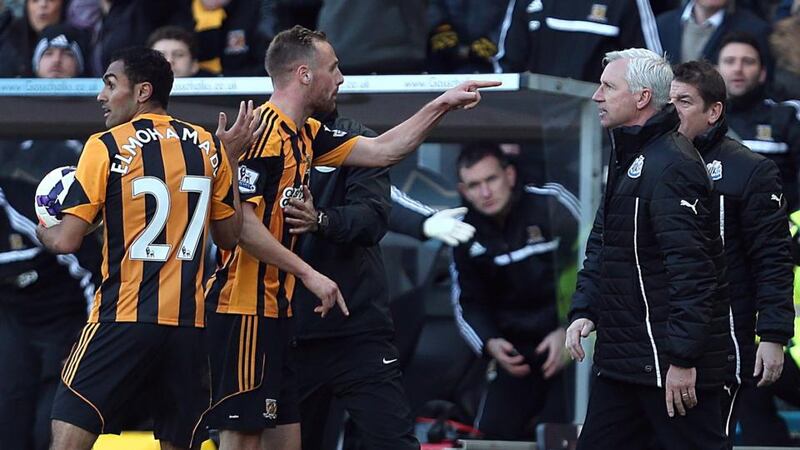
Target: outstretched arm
[{"x": 393, "y": 145}]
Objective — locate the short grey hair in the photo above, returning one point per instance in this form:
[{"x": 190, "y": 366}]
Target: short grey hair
[{"x": 646, "y": 69}]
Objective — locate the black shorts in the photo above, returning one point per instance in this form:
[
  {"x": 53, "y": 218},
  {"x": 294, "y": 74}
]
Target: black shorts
[
  {"x": 113, "y": 364},
  {"x": 362, "y": 373},
  {"x": 253, "y": 383}
]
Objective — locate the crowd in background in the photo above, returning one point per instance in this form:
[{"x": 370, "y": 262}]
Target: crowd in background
[{"x": 229, "y": 37}]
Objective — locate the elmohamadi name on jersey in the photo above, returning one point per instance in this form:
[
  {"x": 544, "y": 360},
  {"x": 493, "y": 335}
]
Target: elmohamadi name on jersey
[
  {"x": 157, "y": 182},
  {"x": 145, "y": 136}
]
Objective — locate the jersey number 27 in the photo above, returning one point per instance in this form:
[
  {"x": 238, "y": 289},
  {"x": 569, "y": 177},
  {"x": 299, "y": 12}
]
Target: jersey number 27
[{"x": 143, "y": 247}]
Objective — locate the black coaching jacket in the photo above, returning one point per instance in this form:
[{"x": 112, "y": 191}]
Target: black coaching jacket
[
  {"x": 504, "y": 278},
  {"x": 653, "y": 278},
  {"x": 36, "y": 286},
  {"x": 747, "y": 190},
  {"x": 357, "y": 203}
]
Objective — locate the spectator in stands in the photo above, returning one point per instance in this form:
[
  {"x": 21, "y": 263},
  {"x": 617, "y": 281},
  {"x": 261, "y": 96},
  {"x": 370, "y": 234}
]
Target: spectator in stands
[
  {"x": 696, "y": 30},
  {"x": 514, "y": 248},
  {"x": 228, "y": 36},
  {"x": 570, "y": 38},
  {"x": 376, "y": 37},
  {"x": 783, "y": 41},
  {"x": 762, "y": 125},
  {"x": 463, "y": 35},
  {"x": 44, "y": 298},
  {"x": 179, "y": 46},
  {"x": 59, "y": 54},
  {"x": 116, "y": 24},
  {"x": 21, "y": 36}
]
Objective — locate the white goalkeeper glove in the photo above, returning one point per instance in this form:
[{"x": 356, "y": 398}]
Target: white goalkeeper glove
[{"x": 444, "y": 226}]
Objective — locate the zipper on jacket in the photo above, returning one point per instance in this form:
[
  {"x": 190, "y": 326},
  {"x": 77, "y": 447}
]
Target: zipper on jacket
[
  {"x": 730, "y": 307},
  {"x": 644, "y": 294}
]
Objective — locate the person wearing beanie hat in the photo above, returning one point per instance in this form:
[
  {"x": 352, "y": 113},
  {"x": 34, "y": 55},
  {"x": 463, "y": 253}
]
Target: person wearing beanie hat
[
  {"x": 59, "y": 53},
  {"x": 19, "y": 38}
]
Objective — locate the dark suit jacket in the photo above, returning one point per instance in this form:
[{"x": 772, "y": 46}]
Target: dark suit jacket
[{"x": 670, "y": 30}]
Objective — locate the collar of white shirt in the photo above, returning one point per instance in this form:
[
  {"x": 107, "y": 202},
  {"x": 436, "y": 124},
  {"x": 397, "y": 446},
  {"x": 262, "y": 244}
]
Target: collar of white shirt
[{"x": 715, "y": 20}]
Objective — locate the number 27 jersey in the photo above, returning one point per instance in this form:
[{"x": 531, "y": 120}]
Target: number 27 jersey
[{"x": 157, "y": 182}]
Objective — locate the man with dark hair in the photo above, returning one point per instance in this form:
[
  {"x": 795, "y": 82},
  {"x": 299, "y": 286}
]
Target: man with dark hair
[
  {"x": 158, "y": 184},
  {"x": 653, "y": 280},
  {"x": 179, "y": 46},
  {"x": 144, "y": 70},
  {"x": 747, "y": 190},
  {"x": 498, "y": 314},
  {"x": 762, "y": 125},
  {"x": 254, "y": 288}
]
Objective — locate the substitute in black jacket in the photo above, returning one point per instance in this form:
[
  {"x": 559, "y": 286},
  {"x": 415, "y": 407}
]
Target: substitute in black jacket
[
  {"x": 43, "y": 303},
  {"x": 650, "y": 279},
  {"x": 351, "y": 359},
  {"x": 536, "y": 33},
  {"x": 765, "y": 127},
  {"x": 747, "y": 190},
  {"x": 505, "y": 283}
]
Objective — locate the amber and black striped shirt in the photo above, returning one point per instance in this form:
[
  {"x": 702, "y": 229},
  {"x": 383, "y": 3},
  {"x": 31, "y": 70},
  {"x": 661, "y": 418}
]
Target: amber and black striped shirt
[
  {"x": 273, "y": 170},
  {"x": 157, "y": 182}
]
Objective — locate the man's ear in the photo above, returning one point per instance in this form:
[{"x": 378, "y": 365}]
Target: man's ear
[
  {"x": 144, "y": 91},
  {"x": 645, "y": 98},
  {"x": 716, "y": 112},
  {"x": 762, "y": 76},
  {"x": 303, "y": 73},
  {"x": 511, "y": 174},
  {"x": 462, "y": 189}
]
